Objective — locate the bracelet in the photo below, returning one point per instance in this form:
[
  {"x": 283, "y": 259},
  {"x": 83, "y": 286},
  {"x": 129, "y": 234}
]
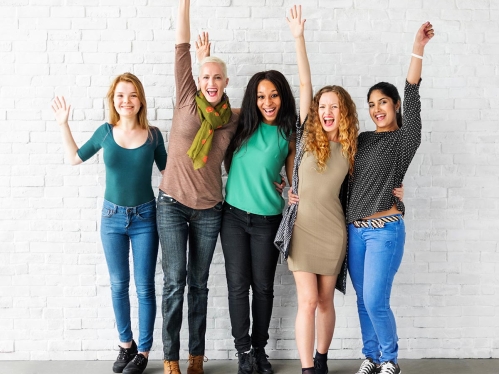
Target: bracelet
[{"x": 417, "y": 56}]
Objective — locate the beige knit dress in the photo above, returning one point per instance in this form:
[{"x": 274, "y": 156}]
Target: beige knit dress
[{"x": 318, "y": 243}]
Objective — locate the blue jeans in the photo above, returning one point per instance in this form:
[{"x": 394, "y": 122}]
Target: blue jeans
[
  {"x": 374, "y": 256},
  {"x": 177, "y": 225},
  {"x": 121, "y": 226},
  {"x": 250, "y": 261}
]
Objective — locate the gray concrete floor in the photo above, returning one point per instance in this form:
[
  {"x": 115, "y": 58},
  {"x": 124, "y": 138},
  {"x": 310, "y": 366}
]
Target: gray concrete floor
[{"x": 428, "y": 366}]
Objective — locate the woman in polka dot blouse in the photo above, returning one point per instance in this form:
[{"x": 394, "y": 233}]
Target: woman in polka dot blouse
[{"x": 375, "y": 216}]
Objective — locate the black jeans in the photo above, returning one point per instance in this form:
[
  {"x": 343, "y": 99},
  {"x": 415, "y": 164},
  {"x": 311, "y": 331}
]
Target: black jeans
[{"x": 250, "y": 260}]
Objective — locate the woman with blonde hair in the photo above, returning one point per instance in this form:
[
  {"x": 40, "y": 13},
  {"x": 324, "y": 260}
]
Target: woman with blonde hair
[
  {"x": 190, "y": 196},
  {"x": 131, "y": 146}
]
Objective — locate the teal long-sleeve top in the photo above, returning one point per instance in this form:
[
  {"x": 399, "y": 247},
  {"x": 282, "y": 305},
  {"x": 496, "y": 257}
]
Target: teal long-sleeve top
[{"x": 128, "y": 171}]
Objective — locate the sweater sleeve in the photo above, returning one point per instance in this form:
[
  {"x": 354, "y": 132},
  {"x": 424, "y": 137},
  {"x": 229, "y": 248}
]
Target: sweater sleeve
[
  {"x": 184, "y": 80},
  {"x": 411, "y": 126}
]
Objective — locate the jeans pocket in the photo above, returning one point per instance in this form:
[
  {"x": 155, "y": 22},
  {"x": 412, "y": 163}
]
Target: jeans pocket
[
  {"x": 147, "y": 215},
  {"x": 164, "y": 199},
  {"x": 107, "y": 213}
]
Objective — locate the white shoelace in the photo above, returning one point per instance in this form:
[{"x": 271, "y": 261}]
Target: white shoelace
[
  {"x": 366, "y": 367},
  {"x": 387, "y": 368}
]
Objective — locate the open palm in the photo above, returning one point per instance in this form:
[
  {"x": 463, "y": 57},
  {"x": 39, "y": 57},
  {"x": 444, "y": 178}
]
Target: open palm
[
  {"x": 61, "y": 110},
  {"x": 295, "y": 22}
]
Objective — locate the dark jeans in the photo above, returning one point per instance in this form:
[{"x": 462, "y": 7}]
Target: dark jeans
[
  {"x": 178, "y": 223},
  {"x": 250, "y": 260},
  {"x": 120, "y": 227}
]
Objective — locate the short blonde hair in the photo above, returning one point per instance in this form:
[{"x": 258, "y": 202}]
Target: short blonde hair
[{"x": 216, "y": 60}]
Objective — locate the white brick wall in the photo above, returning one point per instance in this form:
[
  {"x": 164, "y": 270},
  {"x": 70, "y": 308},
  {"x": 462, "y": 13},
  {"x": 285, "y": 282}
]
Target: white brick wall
[{"x": 54, "y": 295}]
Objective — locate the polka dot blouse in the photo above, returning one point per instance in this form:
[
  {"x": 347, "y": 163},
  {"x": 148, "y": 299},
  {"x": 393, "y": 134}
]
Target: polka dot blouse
[{"x": 382, "y": 160}]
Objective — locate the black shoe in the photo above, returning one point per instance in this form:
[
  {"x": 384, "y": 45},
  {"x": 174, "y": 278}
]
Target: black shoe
[
  {"x": 389, "y": 367},
  {"x": 124, "y": 357},
  {"x": 245, "y": 363},
  {"x": 137, "y": 365},
  {"x": 320, "y": 363},
  {"x": 368, "y": 367},
  {"x": 263, "y": 365}
]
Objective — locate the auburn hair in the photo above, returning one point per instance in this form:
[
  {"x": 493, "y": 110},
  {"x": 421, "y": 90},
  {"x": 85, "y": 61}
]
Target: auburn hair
[
  {"x": 114, "y": 117},
  {"x": 316, "y": 140}
]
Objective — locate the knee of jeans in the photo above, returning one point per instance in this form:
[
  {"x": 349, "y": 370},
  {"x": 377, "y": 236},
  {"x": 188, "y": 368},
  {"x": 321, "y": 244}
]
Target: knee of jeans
[
  {"x": 120, "y": 287},
  {"x": 263, "y": 290},
  {"x": 146, "y": 291},
  {"x": 374, "y": 304},
  {"x": 203, "y": 289},
  {"x": 171, "y": 288}
]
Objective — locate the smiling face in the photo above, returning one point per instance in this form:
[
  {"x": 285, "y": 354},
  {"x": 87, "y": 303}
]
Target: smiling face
[
  {"x": 126, "y": 100},
  {"x": 383, "y": 111},
  {"x": 329, "y": 114},
  {"x": 268, "y": 101},
  {"x": 212, "y": 82}
]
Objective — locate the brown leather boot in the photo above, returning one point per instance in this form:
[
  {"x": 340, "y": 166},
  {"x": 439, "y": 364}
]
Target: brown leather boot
[
  {"x": 171, "y": 367},
  {"x": 196, "y": 364}
]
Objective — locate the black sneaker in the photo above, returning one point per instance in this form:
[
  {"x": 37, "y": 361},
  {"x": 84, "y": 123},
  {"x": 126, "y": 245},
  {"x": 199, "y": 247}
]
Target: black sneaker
[
  {"x": 137, "y": 365},
  {"x": 389, "y": 367},
  {"x": 368, "y": 367},
  {"x": 320, "y": 364},
  {"x": 263, "y": 365},
  {"x": 124, "y": 357},
  {"x": 245, "y": 363}
]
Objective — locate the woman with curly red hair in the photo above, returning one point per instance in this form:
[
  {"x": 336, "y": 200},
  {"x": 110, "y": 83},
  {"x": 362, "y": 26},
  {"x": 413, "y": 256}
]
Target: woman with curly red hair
[
  {"x": 317, "y": 248},
  {"x": 314, "y": 233}
]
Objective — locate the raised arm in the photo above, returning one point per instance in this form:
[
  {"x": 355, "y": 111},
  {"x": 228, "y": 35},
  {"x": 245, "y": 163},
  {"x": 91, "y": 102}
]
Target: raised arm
[
  {"x": 61, "y": 111},
  {"x": 184, "y": 24},
  {"x": 297, "y": 27},
  {"x": 423, "y": 36}
]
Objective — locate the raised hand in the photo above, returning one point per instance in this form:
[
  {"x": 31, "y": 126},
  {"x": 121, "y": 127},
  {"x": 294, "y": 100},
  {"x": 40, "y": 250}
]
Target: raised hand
[
  {"x": 61, "y": 110},
  {"x": 295, "y": 22},
  {"x": 424, "y": 34},
  {"x": 203, "y": 46}
]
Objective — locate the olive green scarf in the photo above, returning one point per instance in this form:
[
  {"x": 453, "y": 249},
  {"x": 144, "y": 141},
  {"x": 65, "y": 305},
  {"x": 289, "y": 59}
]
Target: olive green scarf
[{"x": 212, "y": 118}]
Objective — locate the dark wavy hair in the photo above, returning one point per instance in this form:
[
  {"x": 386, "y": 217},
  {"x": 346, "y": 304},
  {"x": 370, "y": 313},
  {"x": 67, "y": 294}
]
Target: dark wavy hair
[
  {"x": 250, "y": 116},
  {"x": 391, "y": 91}
]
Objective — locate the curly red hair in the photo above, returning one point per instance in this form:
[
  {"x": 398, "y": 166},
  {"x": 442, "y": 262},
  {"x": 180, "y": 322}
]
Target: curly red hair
[{"x": 316, "y": 140}]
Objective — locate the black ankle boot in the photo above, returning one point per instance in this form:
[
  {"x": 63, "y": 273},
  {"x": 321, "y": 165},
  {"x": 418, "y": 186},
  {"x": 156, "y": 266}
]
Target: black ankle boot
[
  {"x": 320, "y": 363},
  {"x": 262, "y": 363},
  {"x": 124, "y": 357},
  {"x": 245, "y": 363}
]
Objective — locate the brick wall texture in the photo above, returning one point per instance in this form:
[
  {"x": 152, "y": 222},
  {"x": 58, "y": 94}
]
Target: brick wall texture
[{"x": 54, "y": 288}]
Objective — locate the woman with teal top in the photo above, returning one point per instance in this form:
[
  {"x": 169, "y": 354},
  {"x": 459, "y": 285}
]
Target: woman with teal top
[
  {"x": 262, "y": 145},
  {"x": 131, "y": 146}
]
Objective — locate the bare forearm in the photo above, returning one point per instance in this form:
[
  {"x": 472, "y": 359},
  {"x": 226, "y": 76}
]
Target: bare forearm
[
  {"x": 304, "y": 75},
  {"x": 416, "y": 65},
  {"x": 183, "y": 26},
  {"x": 70, "y": 147}
]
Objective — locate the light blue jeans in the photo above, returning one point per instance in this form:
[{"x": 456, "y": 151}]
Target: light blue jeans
[
  {"x": 136, "y": 225},
  {"x": 374, "y": 256}
]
